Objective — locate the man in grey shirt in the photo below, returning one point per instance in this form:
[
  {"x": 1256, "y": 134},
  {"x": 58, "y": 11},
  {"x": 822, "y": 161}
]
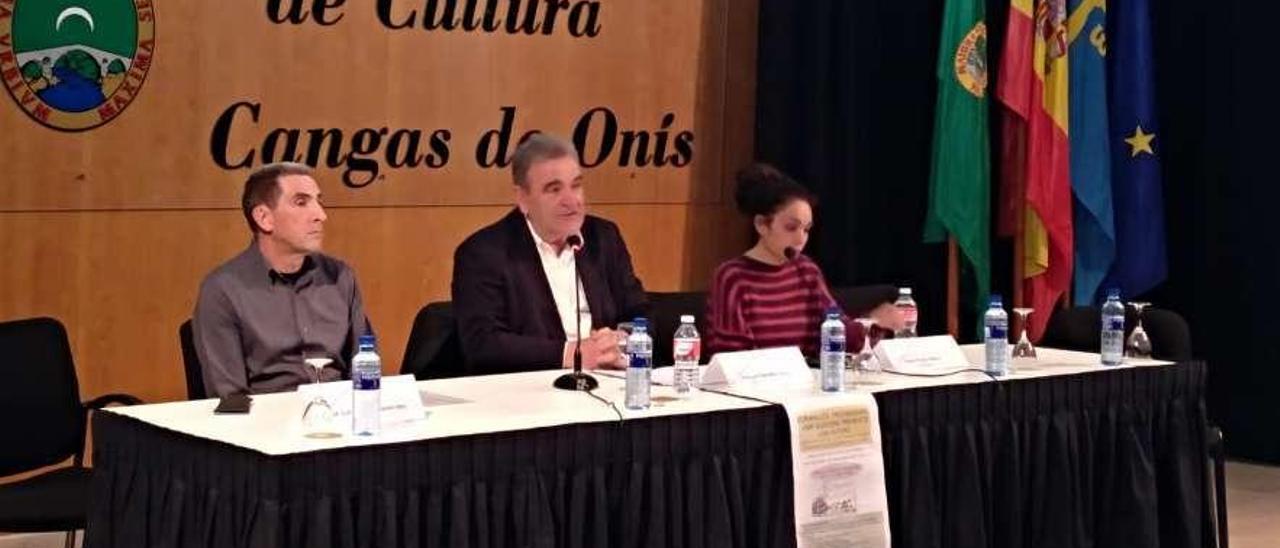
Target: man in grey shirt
[{"x": 280, "y": 301}]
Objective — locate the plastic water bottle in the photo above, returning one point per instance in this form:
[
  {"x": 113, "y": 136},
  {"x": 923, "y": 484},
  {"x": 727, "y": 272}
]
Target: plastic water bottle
[
  {"x": 910, "y": 314},
  {"x": 640, "y": 349},
  {"x": 686, "y": 348},
  {"x": 1112, "y": 329},
  {"x": 996, "y": 330},
  {"x": 832, "y": 353},
  {"x": 366, "y": 393}
]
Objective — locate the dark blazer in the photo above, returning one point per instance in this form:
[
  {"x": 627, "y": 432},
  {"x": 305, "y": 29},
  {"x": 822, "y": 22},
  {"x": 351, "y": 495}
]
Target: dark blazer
[{"x": 507, "y": 318}]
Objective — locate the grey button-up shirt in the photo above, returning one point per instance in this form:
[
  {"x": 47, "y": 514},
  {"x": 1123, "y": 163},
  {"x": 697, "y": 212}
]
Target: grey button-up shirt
[{"x": 254, "y": 326}]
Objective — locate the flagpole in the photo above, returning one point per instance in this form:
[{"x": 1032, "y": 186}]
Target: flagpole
[
  {"x": 953, "y": 288},
  {"x": 1019, "y": 254}
]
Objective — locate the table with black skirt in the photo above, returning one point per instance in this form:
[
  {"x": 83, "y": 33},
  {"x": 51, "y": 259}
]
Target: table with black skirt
[
  {"x": 1096, "y": 459},
  {"x": 1110, "y": 458}
]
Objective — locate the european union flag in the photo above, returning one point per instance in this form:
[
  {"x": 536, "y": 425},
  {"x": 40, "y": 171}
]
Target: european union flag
[
  {"x": 1090, "y": 148},
  {"x": 1140, "y": 262}
]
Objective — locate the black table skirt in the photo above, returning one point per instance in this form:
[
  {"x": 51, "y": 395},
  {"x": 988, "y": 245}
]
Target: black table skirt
[
  {"x": 716, "y": 479},
  {"x": 1105, "y": 459}
]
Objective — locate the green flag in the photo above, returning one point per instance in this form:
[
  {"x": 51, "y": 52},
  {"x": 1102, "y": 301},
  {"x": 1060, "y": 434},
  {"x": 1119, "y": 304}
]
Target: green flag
[{"x": 959, "y": 179}]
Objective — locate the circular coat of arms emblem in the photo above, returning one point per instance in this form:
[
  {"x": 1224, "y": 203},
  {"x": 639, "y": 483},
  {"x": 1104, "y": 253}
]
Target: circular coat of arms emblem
[
  {"x": 971, "y": 61},
  {"x": 74, "y": 65}
]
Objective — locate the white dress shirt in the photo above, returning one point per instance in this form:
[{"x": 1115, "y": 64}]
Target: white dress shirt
[{"x": 561, "y": 273}]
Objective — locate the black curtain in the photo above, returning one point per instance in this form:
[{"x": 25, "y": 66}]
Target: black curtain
[
  {"x": 1215, "y": 77},
  {"x": 845, "y": 103}
]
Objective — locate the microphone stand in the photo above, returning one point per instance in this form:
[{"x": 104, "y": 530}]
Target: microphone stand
[
  {"x": 577, "y": 380},
  {"x": 791, "y": 255}
]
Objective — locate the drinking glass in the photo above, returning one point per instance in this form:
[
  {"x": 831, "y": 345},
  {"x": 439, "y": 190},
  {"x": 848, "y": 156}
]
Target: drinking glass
[
  {"x": 1139, "y": 344},
  {"x": 865, "y": 361},
  {"x": 1023, "y": 348},
  {"x": 318, "y": 417}
]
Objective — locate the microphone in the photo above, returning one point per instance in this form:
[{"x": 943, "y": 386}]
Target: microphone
[
  {"x": 577, "y": 380},
  {"x": 792, "y": 254}
]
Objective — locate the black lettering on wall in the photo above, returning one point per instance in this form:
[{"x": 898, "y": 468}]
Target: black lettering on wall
[
  {"x": 491, "y": 151},
  {"x": 439, "y": 155},
  {"x": 295, "y": 11},
  {"x": 364, "y": 154},
  {"x": 220, "y": 137},
  {"x": 582, "y": 134},
  {"x": 364, "y": 143}
]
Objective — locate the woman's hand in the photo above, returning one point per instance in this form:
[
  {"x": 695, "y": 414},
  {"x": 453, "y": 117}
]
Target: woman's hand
[{"x": 888, "y": 317}]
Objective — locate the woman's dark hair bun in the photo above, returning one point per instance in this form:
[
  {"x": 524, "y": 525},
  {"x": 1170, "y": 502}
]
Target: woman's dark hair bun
[{"x": 762, "y": 190}]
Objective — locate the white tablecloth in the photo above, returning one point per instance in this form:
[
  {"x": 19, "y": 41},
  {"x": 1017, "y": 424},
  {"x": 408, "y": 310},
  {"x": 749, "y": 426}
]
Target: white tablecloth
[
  {"x": 455, "y": 407},
  {"x": 520, "y": 401}
]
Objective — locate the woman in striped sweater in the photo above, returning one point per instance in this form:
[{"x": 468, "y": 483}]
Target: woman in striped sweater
[{"x": 773, "y": 295}]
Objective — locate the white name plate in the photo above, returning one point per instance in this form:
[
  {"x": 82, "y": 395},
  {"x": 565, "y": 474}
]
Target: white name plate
[
  {"x": 777, "y": 366},
  {"x": 921, "y": 354},
  {"x": 400, "y": 400}
]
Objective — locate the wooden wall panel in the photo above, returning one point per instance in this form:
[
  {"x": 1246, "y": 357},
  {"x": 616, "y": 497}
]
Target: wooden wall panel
[
  {"x": 112, "y": 229},
  {"x": 124, "y": 281},
  {"x": 650, "y": 59}
]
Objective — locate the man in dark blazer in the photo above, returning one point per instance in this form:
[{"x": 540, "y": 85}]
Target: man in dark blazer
[{"x": 513, "y": 281}]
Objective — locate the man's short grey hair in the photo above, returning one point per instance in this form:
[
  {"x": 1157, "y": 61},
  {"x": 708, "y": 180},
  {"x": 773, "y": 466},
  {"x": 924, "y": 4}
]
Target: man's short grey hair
[{"x": 537, "y": 148}]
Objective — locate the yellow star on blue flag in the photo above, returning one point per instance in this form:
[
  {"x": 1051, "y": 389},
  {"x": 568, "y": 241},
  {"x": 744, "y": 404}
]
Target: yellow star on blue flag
[
  {"x": 1136, "y": 189},
  {"x": 1140, "y": 142}
]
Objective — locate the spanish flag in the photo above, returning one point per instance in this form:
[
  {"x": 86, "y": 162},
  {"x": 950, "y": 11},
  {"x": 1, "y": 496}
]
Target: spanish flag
[
  {"x": 1039, "y": 96},
  {"x": 1013, "y": 90}
]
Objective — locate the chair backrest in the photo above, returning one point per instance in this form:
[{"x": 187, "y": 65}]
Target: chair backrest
[
  {"x": 860, "y": 299},
  {"x": 665, "y": 310},
  {"x": 191, "y": 362},
  {"x": 1079, "y": 328},
  {"x": 42, "y": 421},
  {"x": 1075, "y": 328},
  {"x": 433, "y": 350},
  {"x": 1170, "y": 335}
]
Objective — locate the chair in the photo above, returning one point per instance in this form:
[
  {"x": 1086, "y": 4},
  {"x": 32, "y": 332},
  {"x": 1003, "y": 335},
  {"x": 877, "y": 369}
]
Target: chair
[
  {"x": 861, "y": 299},
  {"x": 665, "y": 310},
  {"x": 191, "y": 363},
  {"x": 1079, "y": 328},
  {"x": 42, "y": 423},
  {"x": 433, "y": 350}
]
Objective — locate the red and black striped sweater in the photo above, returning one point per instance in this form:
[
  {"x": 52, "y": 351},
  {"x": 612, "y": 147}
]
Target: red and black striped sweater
[{"x": 753, "y": 304}]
